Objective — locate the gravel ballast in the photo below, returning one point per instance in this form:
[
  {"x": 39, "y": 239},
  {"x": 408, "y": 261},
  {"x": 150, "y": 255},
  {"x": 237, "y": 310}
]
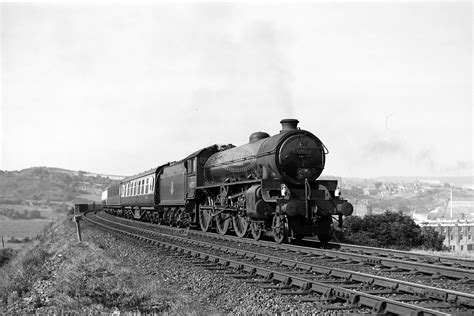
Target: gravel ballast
[{"x": 207, "y": 291}]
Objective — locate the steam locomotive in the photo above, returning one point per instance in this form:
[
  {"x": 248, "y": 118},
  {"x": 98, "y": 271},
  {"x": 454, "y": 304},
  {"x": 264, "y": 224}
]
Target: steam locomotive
[{"x": 267, "y": 187}]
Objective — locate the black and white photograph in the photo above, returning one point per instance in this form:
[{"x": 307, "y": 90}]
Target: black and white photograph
[{"x": 237, "y": 157}]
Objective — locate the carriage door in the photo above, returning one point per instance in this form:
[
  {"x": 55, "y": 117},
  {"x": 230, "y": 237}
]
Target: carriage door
[{"x": 191, "y": 166}]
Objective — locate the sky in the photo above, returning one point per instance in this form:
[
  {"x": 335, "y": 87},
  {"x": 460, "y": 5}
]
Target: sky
[{"x": 121, "y": 88}]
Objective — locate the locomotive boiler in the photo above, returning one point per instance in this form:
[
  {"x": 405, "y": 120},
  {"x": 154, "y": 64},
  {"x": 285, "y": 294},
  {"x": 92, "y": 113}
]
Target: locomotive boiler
[
  {"x": 292, "y": 156},
  {"x": 268, "y": 186}
]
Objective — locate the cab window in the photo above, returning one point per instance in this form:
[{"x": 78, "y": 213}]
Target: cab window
[{"x": 192, "y": 164}]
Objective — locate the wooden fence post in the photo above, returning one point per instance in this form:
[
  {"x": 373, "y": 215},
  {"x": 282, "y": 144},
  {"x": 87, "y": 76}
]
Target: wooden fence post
[{"x": 77, "y": 219}]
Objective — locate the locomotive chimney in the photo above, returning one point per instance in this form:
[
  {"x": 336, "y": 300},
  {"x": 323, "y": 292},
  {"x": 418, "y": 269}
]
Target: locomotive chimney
[{"x": 288, "y": 125}]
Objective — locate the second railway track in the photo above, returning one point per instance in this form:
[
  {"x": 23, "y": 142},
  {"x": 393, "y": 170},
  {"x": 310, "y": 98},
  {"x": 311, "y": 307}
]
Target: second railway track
[
  {"x": 402, "y": 255},
  {"x": 303, "y": 275}
]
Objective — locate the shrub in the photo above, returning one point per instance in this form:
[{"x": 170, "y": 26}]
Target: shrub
[
  {"x": 25, "y": 270},
  {"x": 432, "y": 240},
  {"x": 6, "y": 255},
  {"x": 21, "y": 214},
  {"x": 389, "y": 230}
]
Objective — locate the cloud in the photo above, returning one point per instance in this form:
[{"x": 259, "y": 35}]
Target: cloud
[
  {"x": 461, "y": 168},
  {"x": 426, "y": 157}
]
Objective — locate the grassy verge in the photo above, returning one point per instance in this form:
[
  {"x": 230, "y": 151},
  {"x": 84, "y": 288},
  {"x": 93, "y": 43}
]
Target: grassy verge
[
  {"x": 60, "y": 275},
  {"x": 454, "y": 254}
]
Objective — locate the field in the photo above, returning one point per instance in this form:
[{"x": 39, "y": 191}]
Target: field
[{"x": 20, "y": 228}]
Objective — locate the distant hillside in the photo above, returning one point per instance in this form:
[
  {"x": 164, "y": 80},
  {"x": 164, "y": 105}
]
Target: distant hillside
[
  {"x": 461, "y": 182},
  {"x": 52, "y": 184}
]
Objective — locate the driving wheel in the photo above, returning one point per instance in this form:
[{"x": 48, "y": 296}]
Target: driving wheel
[
  {"x": 223, "y": 221},
  {"x": 205, "y": 218},
  {"x": 241, "y": 225},
  {"x": 257, "y": 230}
]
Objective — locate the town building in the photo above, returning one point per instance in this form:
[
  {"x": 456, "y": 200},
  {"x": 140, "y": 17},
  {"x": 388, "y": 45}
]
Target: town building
[{"x": 459, "y": 234}]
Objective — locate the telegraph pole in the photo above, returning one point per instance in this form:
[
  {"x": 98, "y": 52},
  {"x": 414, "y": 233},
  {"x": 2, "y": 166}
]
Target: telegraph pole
[{"x": 451, "y": 202}]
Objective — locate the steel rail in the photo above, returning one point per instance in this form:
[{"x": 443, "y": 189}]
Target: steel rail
[{"x": 351, "y": 296}]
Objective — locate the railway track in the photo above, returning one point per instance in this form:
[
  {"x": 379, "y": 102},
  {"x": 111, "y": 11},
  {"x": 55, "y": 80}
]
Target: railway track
[
  {"x": 401, "y": 255},
  {"x": 303, "y": 275},
  {"x": 384, "y": 259}
]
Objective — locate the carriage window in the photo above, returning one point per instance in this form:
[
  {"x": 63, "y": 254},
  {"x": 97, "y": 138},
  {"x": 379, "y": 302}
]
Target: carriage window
[
  {"x": 135, "y": 188},
  {"x": 142, "y": 187},
  {"x": 152, "y": 183},
  {"x": 146, "y": 185},
  {"x": 195, "y": 164}
]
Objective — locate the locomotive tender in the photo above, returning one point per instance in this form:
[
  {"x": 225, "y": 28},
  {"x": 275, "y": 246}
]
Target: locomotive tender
[{"x": 269, "y": 187}]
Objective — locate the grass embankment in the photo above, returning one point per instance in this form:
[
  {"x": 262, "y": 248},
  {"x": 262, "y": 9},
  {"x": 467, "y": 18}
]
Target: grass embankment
[
  {"x": 59, "y": 274},
  {"x": 453, "y": 254}
]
